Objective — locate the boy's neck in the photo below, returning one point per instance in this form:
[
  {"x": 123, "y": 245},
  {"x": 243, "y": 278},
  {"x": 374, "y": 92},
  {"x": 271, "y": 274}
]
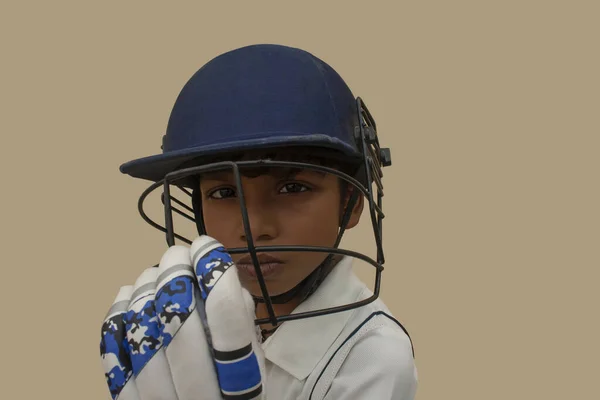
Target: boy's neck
[{"x": 279, "y": 309}]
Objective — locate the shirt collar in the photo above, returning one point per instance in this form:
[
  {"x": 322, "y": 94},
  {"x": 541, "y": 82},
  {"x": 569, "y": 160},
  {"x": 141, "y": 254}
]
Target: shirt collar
[{"x": 297, "y": 346}]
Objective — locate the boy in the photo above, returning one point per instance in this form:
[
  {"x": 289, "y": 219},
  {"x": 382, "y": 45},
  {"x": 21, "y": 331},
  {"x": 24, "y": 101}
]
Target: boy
[{"x": 279, "y": 159}]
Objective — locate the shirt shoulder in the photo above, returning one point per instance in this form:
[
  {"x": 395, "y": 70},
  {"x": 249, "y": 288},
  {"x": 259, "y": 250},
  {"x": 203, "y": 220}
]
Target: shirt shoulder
[
  {"x": 372, "y": 358},
  {"x": 380, "y": 365}
]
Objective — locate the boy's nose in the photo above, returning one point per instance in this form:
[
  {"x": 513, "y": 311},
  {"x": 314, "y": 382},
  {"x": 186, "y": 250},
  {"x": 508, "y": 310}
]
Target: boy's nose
[
  {"x": 262, "y": 225},
  {"x": 261, "y": 217}
]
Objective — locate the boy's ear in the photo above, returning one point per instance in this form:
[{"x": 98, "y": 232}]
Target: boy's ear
[{"x": 357, "y": 209}]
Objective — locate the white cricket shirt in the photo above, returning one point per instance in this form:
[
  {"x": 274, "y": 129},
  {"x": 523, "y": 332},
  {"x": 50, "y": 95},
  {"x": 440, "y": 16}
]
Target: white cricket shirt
[{"x": 358, "y": 354}]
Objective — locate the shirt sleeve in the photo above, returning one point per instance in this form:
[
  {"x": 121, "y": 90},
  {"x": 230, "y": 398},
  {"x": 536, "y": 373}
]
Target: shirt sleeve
[{"x": 379, "y": 366}]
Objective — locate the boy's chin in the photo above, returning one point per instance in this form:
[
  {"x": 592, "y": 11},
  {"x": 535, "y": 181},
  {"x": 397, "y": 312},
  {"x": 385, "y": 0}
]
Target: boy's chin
[{"x": 274, "y": 290}]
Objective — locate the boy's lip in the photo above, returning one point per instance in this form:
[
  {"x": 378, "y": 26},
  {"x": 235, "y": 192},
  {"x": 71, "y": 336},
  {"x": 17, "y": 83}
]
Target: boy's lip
[
  {"x": 263, "y": 258},
  {"x": 268, "y": 265}
]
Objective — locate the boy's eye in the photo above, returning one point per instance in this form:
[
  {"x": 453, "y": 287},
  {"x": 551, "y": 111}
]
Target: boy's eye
[
  {"x": 222, "y": 193},
  {"x": 226, "y": 193},
  {"x": 293, "y": 188}
]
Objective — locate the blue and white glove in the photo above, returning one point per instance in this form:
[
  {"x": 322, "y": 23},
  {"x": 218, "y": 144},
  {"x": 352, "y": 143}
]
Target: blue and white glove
[{"x": 185, "y": 330}]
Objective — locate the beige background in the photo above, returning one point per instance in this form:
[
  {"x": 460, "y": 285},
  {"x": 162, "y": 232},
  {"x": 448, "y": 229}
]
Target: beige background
[{"x": 492, "y": 231}]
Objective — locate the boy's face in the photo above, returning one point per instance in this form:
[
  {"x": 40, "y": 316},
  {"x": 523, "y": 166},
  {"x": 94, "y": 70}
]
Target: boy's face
[{"x": 302, "y": 208}]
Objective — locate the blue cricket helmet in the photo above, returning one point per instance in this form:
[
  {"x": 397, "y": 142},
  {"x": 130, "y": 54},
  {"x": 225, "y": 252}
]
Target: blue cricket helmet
[{"x": 255, "y": 97}]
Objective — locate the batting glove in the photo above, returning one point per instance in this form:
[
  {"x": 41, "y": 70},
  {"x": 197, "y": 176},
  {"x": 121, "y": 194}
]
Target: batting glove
[{"x": 184, "y": 330}]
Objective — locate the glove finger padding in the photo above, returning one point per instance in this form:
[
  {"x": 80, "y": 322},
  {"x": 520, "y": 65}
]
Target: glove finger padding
[
  {"x": 239, "y": 365},
  {"x": 256, "y": 344},
  {"x": 114, "y": 349},
  {"x": 179, "y": 307},
  {"x": 145, "y": 342}
]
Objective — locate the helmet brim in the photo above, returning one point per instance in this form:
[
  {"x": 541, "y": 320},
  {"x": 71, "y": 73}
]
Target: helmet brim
[{"x": 156, "y": 167}]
